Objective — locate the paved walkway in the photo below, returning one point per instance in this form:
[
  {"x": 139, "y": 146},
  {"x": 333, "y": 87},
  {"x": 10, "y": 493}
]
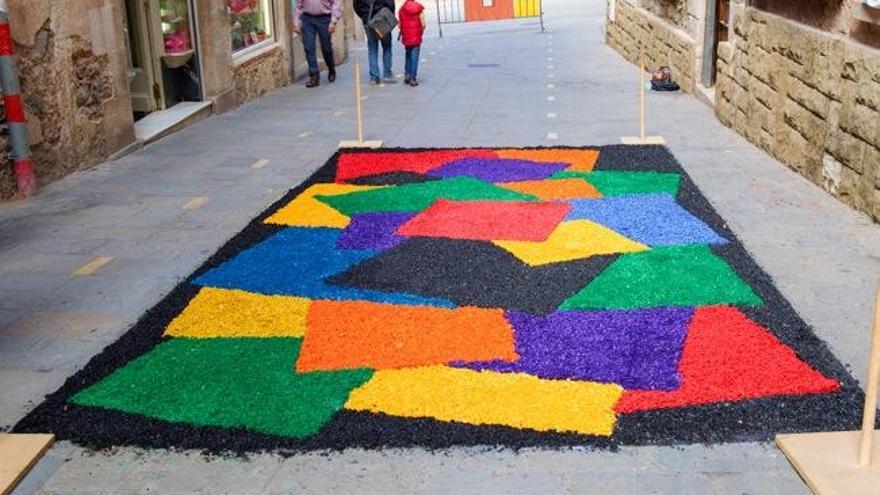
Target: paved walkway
[{"x": 162, "y": 211}]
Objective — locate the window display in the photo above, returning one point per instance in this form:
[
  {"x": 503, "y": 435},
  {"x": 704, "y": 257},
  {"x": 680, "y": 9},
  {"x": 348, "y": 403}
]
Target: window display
[
  {"x": 251, "y": 22},
  {"x": 174, "y": 15}
]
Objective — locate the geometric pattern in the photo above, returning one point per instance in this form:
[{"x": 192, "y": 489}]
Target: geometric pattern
[
  {"x": 504, "y": 297},
  {"x": 572, "y": 240},
  {"x": 487, "y": 220},
  {"x": 639, "y": 349},
  {"x": 442, "y": 335}
]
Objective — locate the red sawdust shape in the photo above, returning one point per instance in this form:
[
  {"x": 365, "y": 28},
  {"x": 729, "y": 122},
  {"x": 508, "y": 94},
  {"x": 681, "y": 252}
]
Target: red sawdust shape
[
  {"x": 728, "y": 357},
  {"x": 487, "y": 220},
  {"x": 360, "y": 334},
  {"x": 353, "y": 165}
]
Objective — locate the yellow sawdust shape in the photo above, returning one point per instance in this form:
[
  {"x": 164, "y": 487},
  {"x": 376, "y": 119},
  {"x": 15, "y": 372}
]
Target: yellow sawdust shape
[
  {"x": 572, "y": 240},
  {"x": 580, "y": 160},
  {"x": 490, "y": 398},
  {"x": 214, "y": 313},
  {"x": 306, "y": 211},
  {"x": 550, "y": 190}
]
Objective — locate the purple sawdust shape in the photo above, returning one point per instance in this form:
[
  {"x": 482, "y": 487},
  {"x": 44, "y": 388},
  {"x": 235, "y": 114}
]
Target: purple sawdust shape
[
  {"x": 639, "y": 349},
  {"x": 373, "y": 231},
  {"x": 498, "y": 169}
]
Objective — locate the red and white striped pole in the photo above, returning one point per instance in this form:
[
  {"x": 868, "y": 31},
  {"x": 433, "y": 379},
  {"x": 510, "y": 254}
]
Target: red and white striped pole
[{"x": 21, "y": 154}]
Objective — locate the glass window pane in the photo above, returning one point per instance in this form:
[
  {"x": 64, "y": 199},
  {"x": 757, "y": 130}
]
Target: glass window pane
[{"x": 250, "y": 21}]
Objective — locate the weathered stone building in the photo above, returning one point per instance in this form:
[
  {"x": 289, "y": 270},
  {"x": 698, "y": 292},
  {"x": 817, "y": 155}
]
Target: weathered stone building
[
  {"x": 799, "y": 78},
  {"x": 102, "y": 77}
]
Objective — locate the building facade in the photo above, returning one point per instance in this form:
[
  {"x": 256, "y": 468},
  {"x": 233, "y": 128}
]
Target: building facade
[
  {"x": 798, "y": 78},
  {"x": 100, "y": 78}
]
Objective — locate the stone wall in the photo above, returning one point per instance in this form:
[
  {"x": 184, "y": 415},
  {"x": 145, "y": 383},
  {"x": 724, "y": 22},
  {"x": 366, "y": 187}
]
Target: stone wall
[
  {"x": 809, "y": 98},
  {"x": 73, "y": 80},
  {"x": 635, "y": 28},
  {"x": 259, "y": 75}
]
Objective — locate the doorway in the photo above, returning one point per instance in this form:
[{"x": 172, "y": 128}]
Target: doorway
[
  {"x": 163, "y": 62},
  {"x": 717, "y": 31}
]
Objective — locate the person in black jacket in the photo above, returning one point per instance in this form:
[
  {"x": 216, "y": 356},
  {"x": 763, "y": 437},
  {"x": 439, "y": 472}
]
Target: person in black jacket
[{"x": 365, "y": 9}]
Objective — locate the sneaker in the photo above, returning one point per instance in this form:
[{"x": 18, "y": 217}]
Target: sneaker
[
  {"x": 313, "y": 81},
  {"x": 406, "y": 80},
  {"x": 414, "y": 82},
  {"x": 331, "y": 76},
  {"x": 375, "y": 80}
]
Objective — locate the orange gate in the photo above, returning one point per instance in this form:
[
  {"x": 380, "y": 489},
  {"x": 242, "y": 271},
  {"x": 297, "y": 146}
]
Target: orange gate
[{"x": 452, "y": 11}]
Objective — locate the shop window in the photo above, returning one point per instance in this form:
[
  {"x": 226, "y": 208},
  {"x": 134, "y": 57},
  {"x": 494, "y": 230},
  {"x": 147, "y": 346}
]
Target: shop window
[{"x": 251, "y": 23}]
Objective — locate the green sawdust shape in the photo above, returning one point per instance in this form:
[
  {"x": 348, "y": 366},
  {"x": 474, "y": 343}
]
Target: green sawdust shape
[
  {"x": 667, "y": 276},
  {"x": 417, "y": 197},
  {"x": 248, "y": 383},
  {"x": 617, "y": 183}
]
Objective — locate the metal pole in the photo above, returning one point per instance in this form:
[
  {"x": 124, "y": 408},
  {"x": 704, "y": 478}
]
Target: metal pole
[
  {"x": 541, "y": 13},
  {"x": 21, "y": 153},
  {"x": 439, "y": 24}
]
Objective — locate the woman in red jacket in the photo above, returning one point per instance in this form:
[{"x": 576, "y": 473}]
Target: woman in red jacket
[{"x": 412, "y": 25}]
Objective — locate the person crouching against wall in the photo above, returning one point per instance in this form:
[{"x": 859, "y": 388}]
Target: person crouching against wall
[{"x": 412, "y": 27}]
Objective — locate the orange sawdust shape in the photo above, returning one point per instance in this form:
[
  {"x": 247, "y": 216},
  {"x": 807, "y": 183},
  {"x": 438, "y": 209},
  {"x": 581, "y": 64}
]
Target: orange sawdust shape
[
  {"x": 550, "y": 190},
  {"x": 360, "y": 334},
  {"x": 579, "y": 160}
]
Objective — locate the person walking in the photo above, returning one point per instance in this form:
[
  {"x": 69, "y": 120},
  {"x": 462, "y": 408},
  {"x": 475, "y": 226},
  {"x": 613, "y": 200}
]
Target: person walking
[
  {"x": 412, "y": 27},
  {"x": 366, "y": 9},
  {"x": 313, "y": 18}
]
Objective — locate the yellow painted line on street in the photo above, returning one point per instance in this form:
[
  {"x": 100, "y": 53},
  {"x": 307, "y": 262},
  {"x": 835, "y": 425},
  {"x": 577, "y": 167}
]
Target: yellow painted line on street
[
  {"x": 259, "y": 164},
  {"x": 195, "y": 203},
  {"x": 92, "y": 266}
]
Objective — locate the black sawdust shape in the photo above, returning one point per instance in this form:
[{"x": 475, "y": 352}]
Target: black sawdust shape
[{"x": 472, "y": 273}]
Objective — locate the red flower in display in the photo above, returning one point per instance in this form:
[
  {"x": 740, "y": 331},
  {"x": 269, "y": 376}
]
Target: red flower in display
[{"x": 241, "y": 6}]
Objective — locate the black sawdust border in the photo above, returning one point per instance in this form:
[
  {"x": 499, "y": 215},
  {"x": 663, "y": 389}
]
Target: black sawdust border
[{"x": 740, "y": 421}]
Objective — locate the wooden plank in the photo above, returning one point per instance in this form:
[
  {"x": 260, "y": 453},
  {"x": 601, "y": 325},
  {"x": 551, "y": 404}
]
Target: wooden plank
[
  {"x": 870, "y": 414},
  {"x": 18, "y": 454},
  {"x": 828, "y": 462},
  {"x": 644, "y": 140}
]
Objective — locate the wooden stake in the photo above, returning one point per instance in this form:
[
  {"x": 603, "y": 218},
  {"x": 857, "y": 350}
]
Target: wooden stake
[
  {"x": 641, "y": 138},
  {"x": 357, "y": 95},
  {"x": 18, "y": 454},
  {"x": 360, "y": 143},
  {"x": 838, "y": 462},
  {"x": 870, "y": 415},
  {"x": 641, "y": 95}
]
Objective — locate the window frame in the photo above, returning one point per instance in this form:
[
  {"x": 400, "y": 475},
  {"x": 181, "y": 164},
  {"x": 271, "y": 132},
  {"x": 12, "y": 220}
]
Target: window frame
[{"x": 259, "y": 46}]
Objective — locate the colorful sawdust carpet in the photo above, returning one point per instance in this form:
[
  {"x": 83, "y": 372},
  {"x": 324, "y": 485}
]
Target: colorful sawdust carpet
[{"x": 511, "y": 297}]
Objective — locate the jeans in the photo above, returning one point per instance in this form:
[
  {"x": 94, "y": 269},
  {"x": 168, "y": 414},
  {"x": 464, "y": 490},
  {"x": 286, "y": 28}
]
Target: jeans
[
  {"x": 411, "y": 69},
  {"x": 373, "y": 54},
  {"x": 317, "y": 25}
]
